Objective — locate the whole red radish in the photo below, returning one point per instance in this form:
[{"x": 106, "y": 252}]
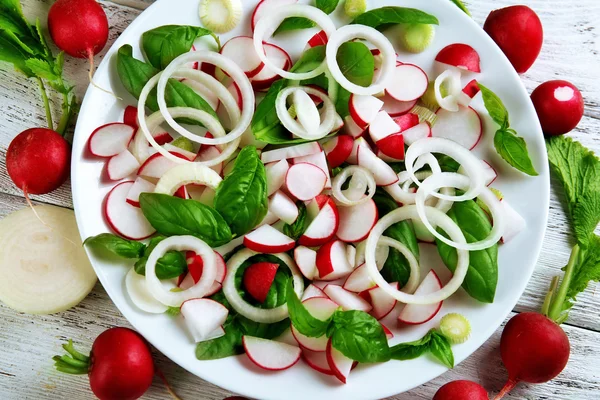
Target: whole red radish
[
  {"x": 534, "y": 349},
  {"x": 120, "y": 365},
  {"x": 38, "y": 160},
  {"x": 518, "y": 31},
  {"x": 559, "y": 106},
  {"x": 461, "y": 390}
]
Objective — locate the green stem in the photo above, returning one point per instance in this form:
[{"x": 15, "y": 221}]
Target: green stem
[
  {"x": 556, "y": 307},
  {"x": 550, "y": 296},
  {"x": 73, "y": 363},
  {"x": 46, "y": 103},
  {"x": 66, "y": 115}
]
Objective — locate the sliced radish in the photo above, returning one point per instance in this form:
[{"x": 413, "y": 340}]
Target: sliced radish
[
  {"x": 317, "y": 360},
  {"x": 258, "y": 279},
  {"x": 210, "y": 153},
  {"x": 162, "y": 138},
  {"x": 392, "y": 146},
  {"x": 313, "y": 291},
  {"x": 351, "y": 128},
  {"x": 357, "y": 221},
  {"x": 139, "y": 294},
  {"x": 407, "y": 121},
  {"x": 351, "y": 255},
  {"x": 121, "y": 165},
  {"x": 298, "y": 150},
  {"x": 360, "y": 142},
  {"x": 265, "y": 78},
  {"x": 125, "y": 219},
  {"x": 203, "y": 317},
  {"x": 396, "y": 108},
  {"x": 340, "y": 364},
  {"x": 464, "y": 126},
  {"x": 269, "y": 219},
  {"x": 387, "y": 158},
  {"x": 338, "y": 150},
  {"x": 140, "y": 186},
  {"x": 266, "y": 7},
  {"x": 195, "y": 266},
  {"x": 207, "y": 197},
  {"x": 409, "y": 83},
  {"x": 515, "y": 223},
  {"x": 382, "y": 303},
  {"x": 276, "y": 173},
  {"x": 346, "y": 299},
  {"x": 130, "y": 117},
  {"x": 157, "y": 165},
  {"x": 318, "y": 160},
  {"x": 306, "y": 259},
  {"x": 364, "y": 109},
  {"x": 110, "y": 139},
  {"x": 359, "y": 280},
  {"x": 382, "y": 126},
  {"x": 414, "y": 314},
  {"x": 305, "y": 181},
  {"x": 319, "y": 39},
  {"x": 240, "y": 49},
  {"x": 267, "y": 239},
  {"x": 269, "y": 354},
  {"x": 321, "y": 308},
  {"x": 468, "y": 93},
  {"x": 189, "y": 155},
  {"x": 323, "y": 227},
  {"x": 284, "y": 208},
  {"x": 421, "y": 131},
  {"x": 332, "y": 261},
  {"x": 388, "y": 333},
  {"x": 461, "y": 56},
  {"x": 287, "y": 337},
  {"x": 383, "y": 173}
]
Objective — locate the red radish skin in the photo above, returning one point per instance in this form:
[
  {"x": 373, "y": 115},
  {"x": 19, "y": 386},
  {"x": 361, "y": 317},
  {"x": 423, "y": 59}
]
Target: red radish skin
[
  {"x": 518, "y": 31},
  {"x": 559, "y": 106},
  {"x": 534, "y": 349},
  {"x": 461, "y": 390},
  {"x": 461, "y": 56},
  {"x": 121, "y": 365},
  {"x": 258, "y": 279},
  {"x": 130, "y": 117},
  {"x": 38, "y": 160}
]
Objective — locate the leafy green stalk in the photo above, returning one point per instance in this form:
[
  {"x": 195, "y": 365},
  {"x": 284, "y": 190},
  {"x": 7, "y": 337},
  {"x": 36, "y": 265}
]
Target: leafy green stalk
[
  {"x": 461, "y": 5},
  {"x": 46, "y": 103},
  {"x": 73, "y": 362},
  {"x": 556, "y": 307}
]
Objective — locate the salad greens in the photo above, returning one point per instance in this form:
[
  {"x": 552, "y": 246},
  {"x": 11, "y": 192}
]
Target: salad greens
[
  {"x": 433, "y": 342},
  {"x": 295, "y": 23},
  {"x": 278, "y": 291},
  {"x": 381, "y": 18},
  {"x": 509, "y": 146},
  {"x": 241, "y": 198},
  {"x": 116, "y": 245},
  {"x": 300, "y": 225},
  {"x": 356, "y": 63}
]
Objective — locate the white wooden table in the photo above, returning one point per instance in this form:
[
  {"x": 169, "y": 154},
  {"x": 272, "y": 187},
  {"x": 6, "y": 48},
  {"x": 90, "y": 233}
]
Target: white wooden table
[{"x": 27, "y": 343}]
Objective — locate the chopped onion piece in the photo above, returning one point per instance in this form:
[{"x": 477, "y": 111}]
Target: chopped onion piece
[
  {"x": 355, "y": 194},
  {"x": 296, "y": 128},
  {"x": 186, "y": 174},
  {"x": 440, "y": 219},
  {"x": 449, "y": 102}
]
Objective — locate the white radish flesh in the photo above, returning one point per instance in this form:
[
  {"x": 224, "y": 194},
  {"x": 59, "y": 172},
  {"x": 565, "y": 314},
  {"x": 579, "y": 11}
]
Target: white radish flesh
[
  {"x": 382, "y": 303},
  {"x": 276, "y": 173},
  {"x": 322, "y": 228},
  {"x": 351, "y": 128},
  {"x": 317, "y": 360},
  {"x": 203, "y": 317},
  {"x": 267, "y": 239},
  {"x": 340, "y": 364},
  {"x": 269, "y": 354},
  {"x": 318, "y": 160},
  {"x": 382, "y": 126},
  {"x": 284, "y": 208},
  {"x": 240, "y": 49},
  {"x": 312, "y": 291},
  {"x": 396, "y": 108},
  {"x": 306, "y": 259},
  {"x": 357, "y": 221},
  {"x": 299, "y": 150},
  {"x": 305, "y": 181},
  {"x": 332, "y": 261},
  {"x": 383, "y": 173},
  {"x": 347, "y": 300},
  {"x": 121, "y": 166},
  {"x": 110, "y": 140},
  {"x": 139, "y": 186},
  {"x": 126, "y": 220},
  {"x": 157, "y": 165},
  {"x": 210, "y": 153},
  {"x": 414, "y": 314},
  {"x": 515, "y": 223},
  {"x": 359, "y": 280},
  {"x": 464, "y": 126},
  {"x": 416, "y": 133},
  {"x": 409, "y": 82},
  {"x": 364, "y": 109}
]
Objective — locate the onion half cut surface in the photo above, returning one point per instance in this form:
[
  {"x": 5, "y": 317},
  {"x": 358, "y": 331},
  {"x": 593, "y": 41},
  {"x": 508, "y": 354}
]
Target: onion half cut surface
[{"x": 43, "y": 268}]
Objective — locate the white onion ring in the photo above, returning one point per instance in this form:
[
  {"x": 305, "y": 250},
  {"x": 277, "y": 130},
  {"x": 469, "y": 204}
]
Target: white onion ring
[
  {"x": 293, "y": 126},
  {"x": 381, "y": 254},
  {"x": 449, "y": 179},
  {"x": 350, "y": 32},
  {"x": 450, "y": 102},
  {"x": 366, "y": 181},
  {"x": 464, "y": 157},
  {"x": 264, "y": 315},
  {"x": 415, "y": 272},
  {"x": 185, "y": 174},
  {"x": 229, "y": 67},
  {"x": 181, "y": 243},
  {"x": 446, "y": 223},
  {"x": 268, "y": 24}
]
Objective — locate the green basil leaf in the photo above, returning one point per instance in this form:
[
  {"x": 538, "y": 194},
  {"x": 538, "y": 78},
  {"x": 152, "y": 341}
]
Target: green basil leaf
[
  {"x": 327, "y": 6},
  {"x": 342, "y": 104},
  {"x": 165, "y": 43},
  {"x": 310, "y": 59},
  {"x": 277, "y": 294},
  {"x": 460, "y": 5},
  {"x": 411, "y": 350},
  {"x": 495, "y": 107},
  {"x": 302, "y": 320},
  {"x": 356, "y": 63},
  {"x": 482, "y": 276},
  {"x": 116, "y": 245},
  {"x": 513, "y": 150},
  {"x": 171, "y": 265},
  {"x": 382, "y": 17},
  {"x": 261, "y": 330},
  {"x": 172, "y": 216},
  {"x": 241, "y": 198},
  {"x": 448, "y": 164},
  {"x": 294, "y": 23},
  {"x": 228, "y": 345},
  {"x": 441, "y": 349},
  {"x": 360, "y": 337},
  {"x": 299, "y": 226}
]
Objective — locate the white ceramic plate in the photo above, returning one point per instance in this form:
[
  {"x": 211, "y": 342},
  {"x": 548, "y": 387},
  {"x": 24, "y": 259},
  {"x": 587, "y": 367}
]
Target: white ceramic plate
[{"x": 529, "y": 196}]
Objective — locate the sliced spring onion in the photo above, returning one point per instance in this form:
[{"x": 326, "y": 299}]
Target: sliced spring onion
[
  {"x": 263, "y": 315},
  {"x": 455, "y": 327},
  {"x": 470, "y": 163},
  {"x": 268, "y": 24},
  {"x": 351, "y": 32},
  {"x": 185, "y": 174},
  {"x": 325, "y": 126},
  {"x": 354, "y": 8},
  {"x": 444, "y": 222},
  {"x": 220, "y": 16},
  {"x": 450, "y": 179},
  {"x": 450, "y": 79},
  {"x": 416, "y": 38},
  {"x": 424, "y": 114},
  {"x": 361, "y": 180},
  {"x": 200, "y": 289}
]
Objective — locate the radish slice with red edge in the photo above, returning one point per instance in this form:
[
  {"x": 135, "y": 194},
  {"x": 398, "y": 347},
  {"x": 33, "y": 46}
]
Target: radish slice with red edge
[
  {"x": 312, "y": 291},
  {"x": 346, "y": 299},
  {"x": 266, "y": 77},
  {"x": 383, "y": 173},
  {"x": 203, "y": 317},
  {"x": 269, "y": 354},
  {"x": 351, "y": 128},
  {"x": 407, "y": 121},
  {"x": 392, "y": 146},
  {"x": 338, "y": 149},
  {"x": 130, "y": 117},
  {"x": 359, "y": 280},
  {"x": 463, "y": 127},
  {"x": 416, "y": 133},
  {"x": 396, "y": 108},
  {"x": 319, "y": 39},
  {"x": 317, "y": 360},
  {"x": 382, "y": 303},
  {"x": 265, "y": 7},
  {"x": 140, "y": 186},
  {"x": 322, "y": 228},
  {"x": 364, "y": 109},
  {"x": 305, "y": 181},
  {"x": 284, "y": 208},
  {"x": 318, "y": 160},
  {"x": 240, "y": 50},
  {"x": 267, "y": 239},
  {"x": 408, "y": 83},
  {"x": 357, "y": 221},
  {"x": 125, "y": 219},
  {"x": 322, "y": 309},
  {"x": 121, "y": 166},
  {"x": 276, "y": 173},
  {"x": 460, "y": 55},
  {"x": 110, "y": 139},
  {"x": 340, "y": 364},
  {"x": 383, "y": 126},
  {"x": 332, "y": 261},
  {"x": 415, "y": 314},
  {"x": 306, "y": 259},
  {"x": 468, "y": 93},
  {"x": 359, "y": 142}
]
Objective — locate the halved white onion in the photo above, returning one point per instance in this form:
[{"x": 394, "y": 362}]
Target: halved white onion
[
  {"x": 293, "y": 126},
  {"x": 181, "y": 243},
  {"x": 268, "y": 24},
  {"x": 186, "y": 174},
  {"x": 449, "y": 102},
  {"x": 361, "y": 179},
  {"x": 264, "y": 315},
  {"x": 440, "y": 219},
  {"x": 351, "y": 32},
  {"x": 450, "y": 179}
]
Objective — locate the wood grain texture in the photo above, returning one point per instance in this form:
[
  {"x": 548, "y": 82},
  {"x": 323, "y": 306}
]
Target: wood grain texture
[{"x": 27, "y": 343}]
